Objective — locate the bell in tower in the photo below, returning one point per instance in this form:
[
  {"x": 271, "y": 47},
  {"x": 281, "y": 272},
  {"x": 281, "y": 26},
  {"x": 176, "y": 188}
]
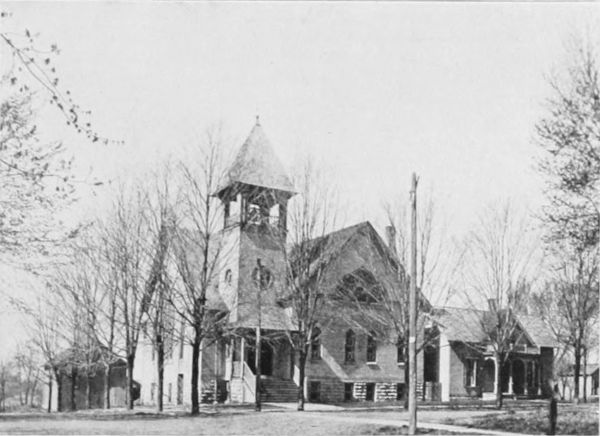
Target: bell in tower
[{"x": 256, "y": 188}]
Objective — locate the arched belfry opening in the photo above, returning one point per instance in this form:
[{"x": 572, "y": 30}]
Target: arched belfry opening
[{"x": 257, "y": 188}]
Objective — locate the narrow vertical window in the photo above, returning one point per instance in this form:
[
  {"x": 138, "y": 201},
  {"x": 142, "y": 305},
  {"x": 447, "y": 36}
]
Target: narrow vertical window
[
  {"x": 400, "y": 350},
  {"x": 315, "y": 350},
  {"x": 349, "y": 346},
  {"x": 471, "y": 373},
  {"x": 181, "y": 338},
  {"x": 371, "y": 348}
]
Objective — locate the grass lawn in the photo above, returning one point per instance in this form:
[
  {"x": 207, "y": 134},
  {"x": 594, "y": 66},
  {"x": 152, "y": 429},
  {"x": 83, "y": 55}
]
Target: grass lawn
[
  {"x": 220, "y": 422},
  {"x": 572, "y": 419}
]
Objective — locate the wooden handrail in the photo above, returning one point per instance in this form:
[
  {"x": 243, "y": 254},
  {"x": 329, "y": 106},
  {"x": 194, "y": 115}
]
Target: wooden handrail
[{"x": 249, "y": 378}]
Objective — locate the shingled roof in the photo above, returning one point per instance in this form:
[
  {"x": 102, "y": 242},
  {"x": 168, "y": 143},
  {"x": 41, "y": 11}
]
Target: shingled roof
[
  {"x": 465, "y": 325},
  {"x": 326, "y": 248},
  {"x": 539, "y": 332},
  {"x": 257, "y": 164},
  {"x": 460, "y": 324}
]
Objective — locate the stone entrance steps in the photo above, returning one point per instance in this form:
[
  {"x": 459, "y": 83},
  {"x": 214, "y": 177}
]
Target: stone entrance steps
[{"x": 276, "y": 390}]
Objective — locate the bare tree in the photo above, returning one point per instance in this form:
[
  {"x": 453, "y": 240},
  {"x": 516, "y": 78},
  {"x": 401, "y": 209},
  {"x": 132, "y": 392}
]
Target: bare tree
[
  {"x": 5, "y": 376},
  {"x": 384, "y": 302},
  {"x": 127, "y": 259},
  {"x": 569, "y": 305},
  {"x": 569, "y": 136},
  {"x": 28, "y": 366},
  {"x": 44, "y": 323},
  {"x": 158, "y": 214},
  {"x": 501, "y": 258},
  {"x": 311, "y": 215},
  {"x": 198, "y": 251}
]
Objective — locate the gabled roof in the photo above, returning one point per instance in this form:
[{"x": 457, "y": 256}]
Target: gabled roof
[
  {"x": 539, "y": 333},
  {"x": 257, "y": 164},
  {"x": 326, "y": 248},
  {"x": 465, "y": 325},
  {"x": 460, "y": 324}
]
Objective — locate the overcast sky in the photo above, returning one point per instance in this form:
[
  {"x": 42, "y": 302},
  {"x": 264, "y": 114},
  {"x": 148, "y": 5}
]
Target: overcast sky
[{"x": 374, "y": 90}]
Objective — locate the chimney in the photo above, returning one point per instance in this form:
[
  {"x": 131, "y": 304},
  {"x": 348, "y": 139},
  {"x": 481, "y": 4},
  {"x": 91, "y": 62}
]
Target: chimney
[{"x": 390, "y": 233}]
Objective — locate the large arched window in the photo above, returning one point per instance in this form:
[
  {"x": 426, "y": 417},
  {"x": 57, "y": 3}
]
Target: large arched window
[
  {"x": 349, "y": 346},
  {"x": 371, "y": 348},
  {"x": 315, "y": 350}
]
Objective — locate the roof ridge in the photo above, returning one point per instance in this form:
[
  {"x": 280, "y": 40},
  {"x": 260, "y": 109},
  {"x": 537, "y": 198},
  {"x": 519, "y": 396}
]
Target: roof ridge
[{"x": 461, "y": 308}]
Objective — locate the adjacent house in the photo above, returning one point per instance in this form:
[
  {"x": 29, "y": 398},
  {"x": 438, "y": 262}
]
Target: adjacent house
[{"x": 467, "y": 364}]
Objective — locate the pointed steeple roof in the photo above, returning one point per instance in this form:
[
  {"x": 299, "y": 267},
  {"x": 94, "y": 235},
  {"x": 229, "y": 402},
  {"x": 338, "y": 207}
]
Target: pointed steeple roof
[{"x": 257, "y": 164}]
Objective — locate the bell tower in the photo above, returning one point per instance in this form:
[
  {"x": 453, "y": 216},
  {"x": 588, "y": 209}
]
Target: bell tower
[{"x": 254, "y": 195}]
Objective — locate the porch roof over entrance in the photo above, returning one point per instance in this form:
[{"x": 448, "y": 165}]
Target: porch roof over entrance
[{"x": 272, "y": 318}]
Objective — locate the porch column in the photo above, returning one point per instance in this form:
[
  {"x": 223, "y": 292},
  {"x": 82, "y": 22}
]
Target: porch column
[
  {"x": 510, "y": 377},
  {"x": 242, "y": 367},
  {"x": 526, "y": 378},
  {"x": 539, "y": 378},
  {"x": 444, "y": 367},
  {"x": 216, "y": 345},
  {"x": 496, "y": 376}
]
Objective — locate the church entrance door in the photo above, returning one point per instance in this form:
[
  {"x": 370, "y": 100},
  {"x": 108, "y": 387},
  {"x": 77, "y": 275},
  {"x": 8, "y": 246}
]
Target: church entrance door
[{"x": 266, "y": 359}]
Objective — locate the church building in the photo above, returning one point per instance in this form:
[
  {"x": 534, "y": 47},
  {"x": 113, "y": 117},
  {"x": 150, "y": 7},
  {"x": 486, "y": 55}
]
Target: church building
[{"x": 347, "y": 360}]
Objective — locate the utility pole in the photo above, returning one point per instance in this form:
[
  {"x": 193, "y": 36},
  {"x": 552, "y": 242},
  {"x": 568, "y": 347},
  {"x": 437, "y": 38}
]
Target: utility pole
[
  {"x": 412, "y": 307},
  {"x": 259, "y": 280}
]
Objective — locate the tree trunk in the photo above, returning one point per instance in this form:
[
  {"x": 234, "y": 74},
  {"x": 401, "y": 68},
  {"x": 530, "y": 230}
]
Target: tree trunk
[
  {"x": 107, "y": 387},
  {"x": 257, "y": 360},
  {"x": 130, "y": 364},
  {"x": 301, "y": 376},
  {"x": 73, "y": 381},
  {"x": 160, "y": 366},
  {"x": 88, "y": 392},
  {"x": 585, "y": 375},
  {"x": 577, "y": 370},
  {"x": 58, "y": 390},
  {"x": 34, "y": 387},
  {"x": 195, "y": 361},
  {"x": 499, "y": 361},
  {"x": 49, "y": 393},
  {"x": 406, "y": 382}
]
